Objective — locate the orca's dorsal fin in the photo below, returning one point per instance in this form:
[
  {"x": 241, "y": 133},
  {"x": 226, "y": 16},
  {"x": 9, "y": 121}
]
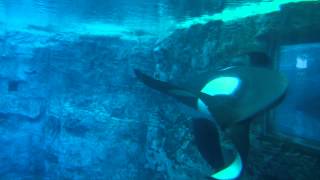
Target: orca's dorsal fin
[{"x": 259, "y": 59}]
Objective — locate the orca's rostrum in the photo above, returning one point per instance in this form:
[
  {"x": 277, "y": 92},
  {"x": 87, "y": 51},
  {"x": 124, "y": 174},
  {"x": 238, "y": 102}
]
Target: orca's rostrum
[{"x": 233, "y": 97}]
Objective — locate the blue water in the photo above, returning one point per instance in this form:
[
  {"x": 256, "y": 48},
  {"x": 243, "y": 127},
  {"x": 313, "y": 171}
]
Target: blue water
[{"x": 71, "y": 106}]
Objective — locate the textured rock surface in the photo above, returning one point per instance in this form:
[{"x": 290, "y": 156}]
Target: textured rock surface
[
  {"x": 66, "y": 108},
  {"x": 216, "y": 44},
  {"x": 71, "y": 108}
]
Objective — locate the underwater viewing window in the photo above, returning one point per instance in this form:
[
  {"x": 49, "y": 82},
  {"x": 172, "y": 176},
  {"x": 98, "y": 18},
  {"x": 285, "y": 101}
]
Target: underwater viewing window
[{"x": 298, "y": 116}]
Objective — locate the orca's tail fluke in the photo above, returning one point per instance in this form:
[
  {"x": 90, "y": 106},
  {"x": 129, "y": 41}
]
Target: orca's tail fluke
[
  {"x": 239, "y": 134},
  {"x": 183, "y": 95},
  {"x": 206, "y": 137},
  {"x": 208, "y": 142}
]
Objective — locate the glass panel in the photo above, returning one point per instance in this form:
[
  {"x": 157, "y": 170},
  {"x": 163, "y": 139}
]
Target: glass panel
[{"x": 299, "y": 116}]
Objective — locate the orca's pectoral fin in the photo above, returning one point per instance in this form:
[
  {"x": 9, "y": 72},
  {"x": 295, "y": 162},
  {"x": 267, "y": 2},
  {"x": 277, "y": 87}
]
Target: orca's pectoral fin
[
  {"x": 207, "y": 139},
  {"x": 181, "y": 94},
  {"x": 153, "y": 83}
]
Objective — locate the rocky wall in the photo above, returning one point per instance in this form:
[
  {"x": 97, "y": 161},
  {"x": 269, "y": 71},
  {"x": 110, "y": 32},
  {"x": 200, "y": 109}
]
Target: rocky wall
[
  {"x": 71, "y": 107},
  {"x": 203, "y": 48}
]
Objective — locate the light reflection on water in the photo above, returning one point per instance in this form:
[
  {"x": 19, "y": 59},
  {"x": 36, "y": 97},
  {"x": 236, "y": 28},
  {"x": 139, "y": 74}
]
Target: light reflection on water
[
  {"x": 78, "y": 15},
  {"x": 125, "y": 17}
]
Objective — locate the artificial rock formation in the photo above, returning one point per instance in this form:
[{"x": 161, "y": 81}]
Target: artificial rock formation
[{"x": 71, "y": 107}]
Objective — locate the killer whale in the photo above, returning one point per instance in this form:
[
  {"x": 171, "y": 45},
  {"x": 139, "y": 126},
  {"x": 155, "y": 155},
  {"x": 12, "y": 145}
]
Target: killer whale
[{"x": 232, "y": 97}]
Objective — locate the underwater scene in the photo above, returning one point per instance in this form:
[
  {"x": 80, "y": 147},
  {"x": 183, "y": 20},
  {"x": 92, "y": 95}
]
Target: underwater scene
[{"x": 160, "y": 89}]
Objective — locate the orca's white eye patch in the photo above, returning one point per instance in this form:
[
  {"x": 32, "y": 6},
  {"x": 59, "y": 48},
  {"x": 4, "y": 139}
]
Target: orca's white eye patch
[{"x": 223, "y": 85}]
